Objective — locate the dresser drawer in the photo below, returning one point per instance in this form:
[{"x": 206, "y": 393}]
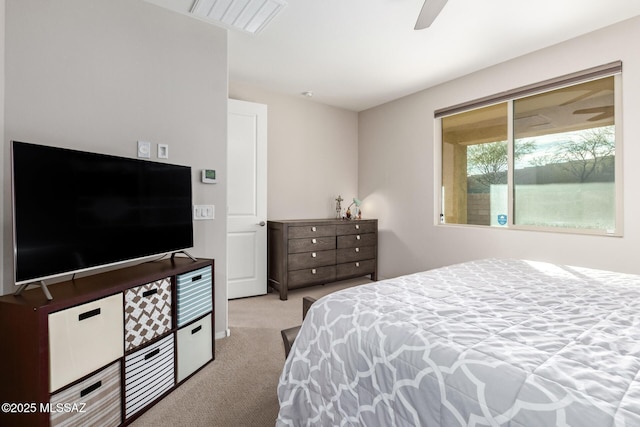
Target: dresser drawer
[
  {"x": 355, "y": 269},
  {"x": 356, "y": 227},
  {"x": 312, "y": 276},
  {"x": 356, "y": 240},
  {"x": 148, "y": 373},
  {"x": 194, "y": 297},
  {"x": 311, "y": 244},
  {"x": 195, "y": 347},
  {"x": 147, "y": 311},
  {"x": 356, "y": 254},
  {"x": 311, "y": 259},
  {"x": 311, "y": 231},
  {"x": 98, "y": 398},
  {"x": 84, "y": 338}
]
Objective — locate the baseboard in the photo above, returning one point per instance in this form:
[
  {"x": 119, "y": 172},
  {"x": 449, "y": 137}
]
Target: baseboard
[{"x": 223, "y": 334}]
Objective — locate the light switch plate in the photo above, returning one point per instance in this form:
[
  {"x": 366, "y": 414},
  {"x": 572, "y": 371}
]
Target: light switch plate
[{"x": 201, "y": 212}]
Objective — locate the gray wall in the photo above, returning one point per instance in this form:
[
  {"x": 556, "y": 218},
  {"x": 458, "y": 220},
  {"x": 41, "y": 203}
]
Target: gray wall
[
  {"x": 98, "y": 75},
  {"x": 312, "y": 154},
  {"x": 398, "y": 158}
]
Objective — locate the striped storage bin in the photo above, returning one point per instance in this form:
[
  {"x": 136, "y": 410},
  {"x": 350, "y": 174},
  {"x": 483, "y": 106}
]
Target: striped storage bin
[
  {"x": 147, "y": 312},
  {"x": 148, "y": 373},
  {"x": 96, "y": 401},
  {"x": 194, "y": 295}
]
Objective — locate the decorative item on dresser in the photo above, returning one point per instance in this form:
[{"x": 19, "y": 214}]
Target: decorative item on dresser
[
  {"x": 310, "y": 252},
  {"x": 339, "y": 200},
  {"x": 358, "y": 214},
  {"x": 108, "y": 347}
]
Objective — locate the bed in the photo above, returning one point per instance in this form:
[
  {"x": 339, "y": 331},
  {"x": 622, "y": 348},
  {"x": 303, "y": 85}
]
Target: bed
[{"x": 494, "y": 342}]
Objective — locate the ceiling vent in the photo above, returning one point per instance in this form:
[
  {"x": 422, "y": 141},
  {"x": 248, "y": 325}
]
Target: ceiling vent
[{"x": 250, "y": 16}]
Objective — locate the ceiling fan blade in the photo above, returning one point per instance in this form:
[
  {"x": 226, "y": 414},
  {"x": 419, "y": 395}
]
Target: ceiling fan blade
[
  {"x": 429, "y": 12},
  {"x": 603, "y": 112}
]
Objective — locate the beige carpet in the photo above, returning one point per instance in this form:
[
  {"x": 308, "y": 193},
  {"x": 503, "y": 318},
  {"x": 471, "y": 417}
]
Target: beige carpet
[{"x": 239, "y": 387}]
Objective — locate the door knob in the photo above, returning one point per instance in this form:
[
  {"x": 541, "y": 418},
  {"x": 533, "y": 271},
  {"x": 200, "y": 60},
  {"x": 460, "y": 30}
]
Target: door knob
[{"x": 262, "y": 223}]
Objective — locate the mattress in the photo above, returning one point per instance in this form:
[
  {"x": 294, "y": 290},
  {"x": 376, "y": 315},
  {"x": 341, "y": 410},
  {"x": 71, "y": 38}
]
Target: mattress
[{"x": 493, "y": 342}]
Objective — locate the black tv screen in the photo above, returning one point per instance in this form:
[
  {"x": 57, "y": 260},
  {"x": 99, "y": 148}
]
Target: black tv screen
[{"x": 74, "y": 211}]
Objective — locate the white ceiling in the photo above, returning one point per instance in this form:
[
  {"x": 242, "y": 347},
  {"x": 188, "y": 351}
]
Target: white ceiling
[{"x": 356, "y": 54}]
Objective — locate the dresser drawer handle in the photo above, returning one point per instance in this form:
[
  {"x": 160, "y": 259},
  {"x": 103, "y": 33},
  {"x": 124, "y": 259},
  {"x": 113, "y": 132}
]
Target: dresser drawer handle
[
  {"x": 152, "y": 354},
  {"x": 88, "y": 314},
  {"x": 314, "y": 241},
  {"x": 357, "y": 264},
  {"x": 198, "y": 277},
  {"x": 313, "y": 229},
  {"x": 357, "y": 226},
  {"x": 91, "y": 388},
  {"x": 196, "y": 330},
  {"x": 357, "y": 249},
  {"x": 358, "y": 237},
  {"x": 313, "y": 255},
  {"x": 149, "y": 293},
  {"x": 313, "y": 271}
]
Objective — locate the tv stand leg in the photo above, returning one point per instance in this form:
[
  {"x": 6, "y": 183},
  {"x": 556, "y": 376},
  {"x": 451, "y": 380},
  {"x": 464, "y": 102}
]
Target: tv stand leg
[
  {"x": 43, "y": 286},
  {"x": 173, "y": 255}
]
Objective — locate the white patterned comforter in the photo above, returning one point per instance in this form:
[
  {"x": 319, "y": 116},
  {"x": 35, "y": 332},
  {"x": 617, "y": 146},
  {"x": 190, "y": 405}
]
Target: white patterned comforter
[{"x": 484, "y": 343}]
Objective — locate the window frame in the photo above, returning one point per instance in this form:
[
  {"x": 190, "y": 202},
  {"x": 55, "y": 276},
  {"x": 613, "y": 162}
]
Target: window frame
[{"x": 608, "y": 70}]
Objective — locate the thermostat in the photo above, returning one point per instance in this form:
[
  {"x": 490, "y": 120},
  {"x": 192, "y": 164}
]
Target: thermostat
[{"x": 209, "y": 176}]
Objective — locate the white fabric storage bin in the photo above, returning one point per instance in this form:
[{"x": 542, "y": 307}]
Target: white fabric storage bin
[
  {"x": 194, "y": 295},
  {"x": 96, "y": 401},
  {"x": 195, "y": 346},
  {"x": 84, "y": 338},
  {"x": 148, "y": 373}
]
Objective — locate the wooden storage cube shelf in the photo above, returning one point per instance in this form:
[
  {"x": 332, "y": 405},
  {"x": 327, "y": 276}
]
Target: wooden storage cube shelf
[
  {"x": 84, "y": 338},
  {"x": 100, "y": 397},
  {"x": 32, "y": 353},
  {"x": 148, "y": 373},
  {"x": 309, "y": 252},
  {"x": 195, "y": 347},
  {"x": 147, "y": 312},
  {"x": 194, "y": 295}
]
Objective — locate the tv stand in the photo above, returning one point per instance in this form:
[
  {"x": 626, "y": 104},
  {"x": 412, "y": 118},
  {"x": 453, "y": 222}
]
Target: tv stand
[
  {"x": 173, "y": 255},
  {"x": 43, "y": 286},
  {"x": 113, "y": 343}
]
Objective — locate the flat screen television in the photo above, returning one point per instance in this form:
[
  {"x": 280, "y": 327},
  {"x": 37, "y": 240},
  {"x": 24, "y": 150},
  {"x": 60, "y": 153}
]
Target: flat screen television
[{"x": 75, "y": 211}]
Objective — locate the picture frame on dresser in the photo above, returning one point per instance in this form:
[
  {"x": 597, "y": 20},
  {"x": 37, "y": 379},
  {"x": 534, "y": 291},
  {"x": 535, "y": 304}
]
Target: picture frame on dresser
[
  {"x": 308, "y": 252},
  {"x": 113, "y": 343}
]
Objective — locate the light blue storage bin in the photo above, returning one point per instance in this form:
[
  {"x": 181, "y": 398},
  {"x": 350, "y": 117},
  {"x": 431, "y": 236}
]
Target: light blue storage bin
[{"x": 194, "y": 298}]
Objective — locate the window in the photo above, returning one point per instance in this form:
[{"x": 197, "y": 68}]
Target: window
[{"x": 536, "y": 159}]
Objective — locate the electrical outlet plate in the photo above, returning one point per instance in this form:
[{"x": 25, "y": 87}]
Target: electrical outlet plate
[{"x": 163, "y": 151}]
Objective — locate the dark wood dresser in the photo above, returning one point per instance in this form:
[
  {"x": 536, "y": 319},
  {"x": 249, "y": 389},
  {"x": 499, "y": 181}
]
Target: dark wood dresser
[{"x": 309, "y": 252}]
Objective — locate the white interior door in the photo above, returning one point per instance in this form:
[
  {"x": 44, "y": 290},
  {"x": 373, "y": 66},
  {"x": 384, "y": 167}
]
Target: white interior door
[{"x": 246, "y": 199}]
